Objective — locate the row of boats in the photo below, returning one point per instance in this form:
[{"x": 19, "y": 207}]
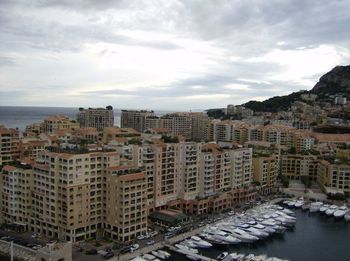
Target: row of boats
[
  {"x": 328, "y": 209},
  {"x": 253, "y": 225}
]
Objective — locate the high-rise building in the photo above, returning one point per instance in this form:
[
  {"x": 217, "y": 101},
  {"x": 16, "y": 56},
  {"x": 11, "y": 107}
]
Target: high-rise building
[
  {"x": 16, "y": 194},
  {"x": 126, "y": 203},
  {"x": 135, "y": 119},
  {"x": 265, "y": 169},
  {"x": 68, "y": 194},
  {"x": 98, "y": 118},
  {"x": 9, "y": 145}
]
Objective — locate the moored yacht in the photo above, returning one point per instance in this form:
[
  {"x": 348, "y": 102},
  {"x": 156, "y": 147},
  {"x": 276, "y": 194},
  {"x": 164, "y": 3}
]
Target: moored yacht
[
  {"x": 222, "y": 256},
  {"x": 200, "y": 242},
  {"x": 159, "y": 255},
  {"x": 315, "y": 206},
  {"x": 239, "y": 234},
  {"x": 299, "y": 203},
  {"x": 164, "y": 253},
  {"x": 256, "y": 232},
  {"x": 330, "y": 211},
  {"x": 340, "y": 212},
  {"x": 324, "y": 208},
  {"x": 186, "y": 248}
]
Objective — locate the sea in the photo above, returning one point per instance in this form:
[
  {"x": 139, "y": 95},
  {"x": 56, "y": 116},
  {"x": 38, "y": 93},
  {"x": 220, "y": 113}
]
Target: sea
[
  {"x": 20, "y": 117},
  {"x": 315, "y": 237}
]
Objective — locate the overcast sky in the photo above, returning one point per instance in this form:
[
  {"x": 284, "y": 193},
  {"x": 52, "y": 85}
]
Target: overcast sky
[{"x": 174, "y": 55}]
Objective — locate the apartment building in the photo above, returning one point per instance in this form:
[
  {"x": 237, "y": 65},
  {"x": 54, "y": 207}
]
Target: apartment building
[
  {"x": 58, "y": 122},
  {"x": 9, "y": 145},
  {"x": 135, "y": 119},
  {"x": 215, "y": 168},
  {"x": 199, "y": 126},
  {"x": 16, "y": 194},
  {"x": 68, "y": 194},
  {"x": 112, "y": 133},
  {"x": 294, "y": 166},
  {"x": 241, "y": 167},
  {"x": 189, "y": 183},
  {"x": 265, "y": 171},
  {"x": 302, "y": 141},
  {"x": 166, "y": 172},
  {"x": 178, "y": 124},
  {"x": 31, "y": 148},
  {"x": 126, "y": 203},
  {"x": 335, "y": 175},
  {"x": 98, "y": 118},
  {"x": 229, "y": 131}
]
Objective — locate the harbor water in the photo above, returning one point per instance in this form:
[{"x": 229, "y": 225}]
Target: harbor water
[{"x": 315, "y": 237}]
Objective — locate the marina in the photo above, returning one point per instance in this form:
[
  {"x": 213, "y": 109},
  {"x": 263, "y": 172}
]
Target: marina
[{"x": 270, "y": 232}]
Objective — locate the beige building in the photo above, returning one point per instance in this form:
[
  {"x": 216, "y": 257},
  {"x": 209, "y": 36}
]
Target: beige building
[
  {"x": 126, "y": 203},
  {"x": 58, "y": 122},
  {"x": 229, "y": 130},
  {"x": 265, "y": 169},
  {"x": 68, "y": 194},
  {"x": 302, "y": 141},
  {"x": 334, "y": 175},
  {"x": 135, "y": 119},
  {"x": 189, "y": 182},
  {"x": 30, "y": 149},
  {"x": 98, "y": 118},
  {"x": 9, "y": 145},
  {"x": 241, "y": 167},
  {"x": 294, "y": 166},
  {"x": 16, "y": 194}
]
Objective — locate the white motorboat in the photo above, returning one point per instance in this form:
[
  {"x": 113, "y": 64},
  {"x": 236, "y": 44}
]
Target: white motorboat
[
  {"x": 164, "y": 253},
  {"x": 340, "y": 212},
  {"x": 266, "y": 229},
  {"x": 256, "y": 232},
  {"x": 315, "y": 206},
  {"x": 189, "y": 243},
  {"x": 222, "y": 256},
  {"x": 288, "y": 212},
  {"x": 214, "y": 240},
  {"x": 159, "y": 255},
  {"x": 291, "y": 203},
  {"x": 233, "y": 256},
  {"x": 244, "y": 236},
  {"x": 347, "y": 216},
  {"x": 330, "y": 211},
  {"x": 299, "y": 203},
  {"x": 200, "y": 242},
  {"x": 324, "y": 208},
  {"x": 222, "y": 235},
  {"x": 186, "y": 248}
]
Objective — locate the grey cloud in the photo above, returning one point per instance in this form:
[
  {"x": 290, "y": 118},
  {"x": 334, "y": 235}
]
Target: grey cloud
[{"x": 6, "y": 61}]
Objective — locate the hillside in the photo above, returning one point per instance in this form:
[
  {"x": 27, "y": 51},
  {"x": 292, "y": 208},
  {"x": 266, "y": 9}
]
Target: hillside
[{"x": 335, "y": 82}]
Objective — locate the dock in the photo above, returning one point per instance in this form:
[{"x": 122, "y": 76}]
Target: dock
[{"x": 189, "y": 253}]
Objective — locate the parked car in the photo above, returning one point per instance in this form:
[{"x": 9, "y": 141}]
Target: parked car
[
  {"x": 108, "y": 255},
  {"x": 125, "y": 250},
  {"x": 151, "y": 242},
  {"x": 134, "y": 247}
]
